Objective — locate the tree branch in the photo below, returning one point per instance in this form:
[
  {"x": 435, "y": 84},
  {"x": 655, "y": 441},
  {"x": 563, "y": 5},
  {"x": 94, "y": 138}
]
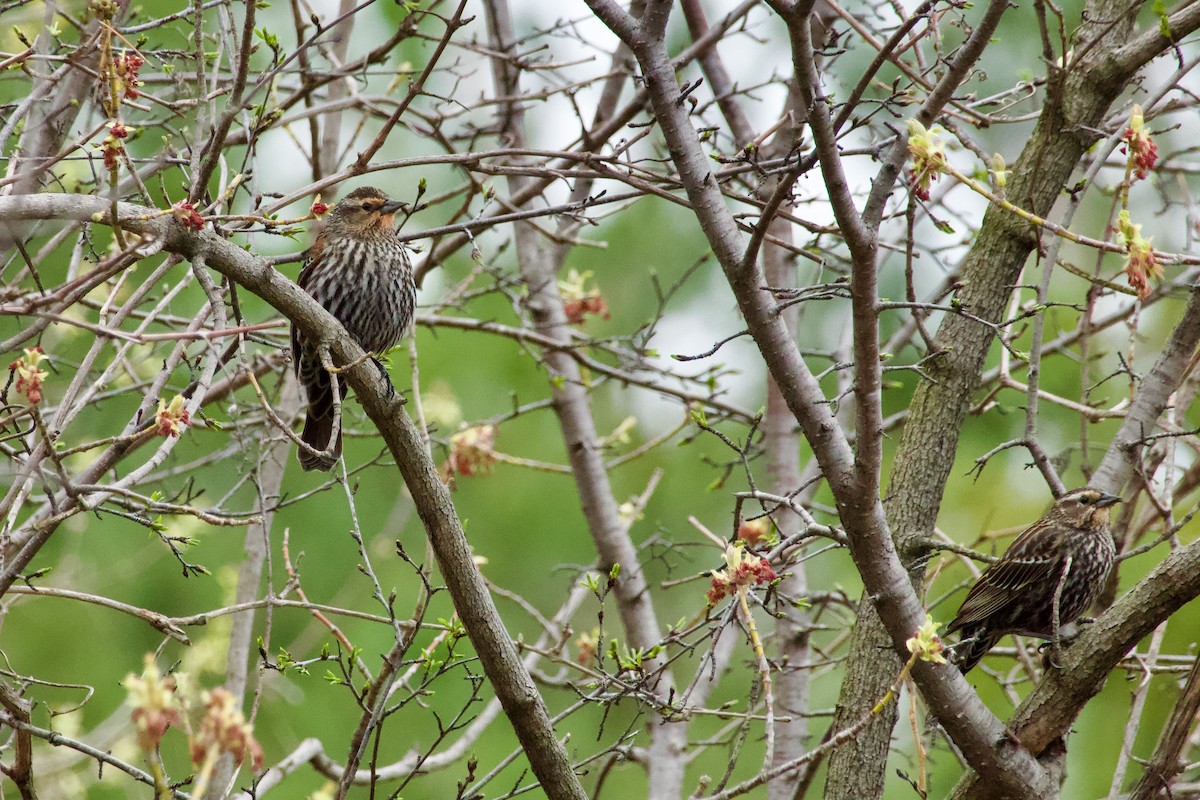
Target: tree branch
[{"x": 522, "y": 703}]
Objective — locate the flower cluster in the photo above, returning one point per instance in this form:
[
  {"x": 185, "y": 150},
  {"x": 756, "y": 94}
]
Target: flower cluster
[
  {"x": 171, "y": 418},
  {"x": 928, "y": 158},
  {"x": 188, "y": 216},
  {"x": 926, "y": 644},
  {"x": 159, "y": 704},
  {"x": 587, "y": 645},
  {"x": 472, "y": 451},
  {"x": 755, "y": 532},
  {"x": 319, "y": 209},
  {"x": 30, "y": 375},
  {"x": 1143, "y": 152},
  {"x": 741, "y": 571},
  {"x": 224, "y": 730},
  {"x": 156, "y": 706},
  {"x": 127, "y": 66},
  {"x": 580, "y": 299},
  {"x": 1141, "y": 263},
  {"x": 103, "y": 9},
  {"x": 113, "y": 146}
]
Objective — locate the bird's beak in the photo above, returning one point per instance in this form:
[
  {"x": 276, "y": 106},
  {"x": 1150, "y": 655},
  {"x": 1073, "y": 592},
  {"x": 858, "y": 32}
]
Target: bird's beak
[
  {"x": 1107, "y": 500},
  {"x": 392, "y": 206}
]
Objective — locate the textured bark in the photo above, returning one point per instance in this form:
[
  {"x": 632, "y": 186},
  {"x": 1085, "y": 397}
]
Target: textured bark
[
  {"x": 926, "y": 453},
  {"x": 974, "y": 729}
]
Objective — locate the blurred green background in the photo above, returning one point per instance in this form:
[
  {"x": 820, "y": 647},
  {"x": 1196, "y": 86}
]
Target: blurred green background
[{"x": 526, "y": 522}]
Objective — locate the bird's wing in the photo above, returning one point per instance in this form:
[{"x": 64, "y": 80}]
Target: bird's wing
[
  {"x": 1003, "y": 582},
  {"x": 311, "y": 258}
]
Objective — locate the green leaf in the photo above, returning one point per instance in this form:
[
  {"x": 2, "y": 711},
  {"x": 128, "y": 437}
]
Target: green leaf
[
  {"x": 268, "y": 38},
  {"x": 1164, "y": 21}
]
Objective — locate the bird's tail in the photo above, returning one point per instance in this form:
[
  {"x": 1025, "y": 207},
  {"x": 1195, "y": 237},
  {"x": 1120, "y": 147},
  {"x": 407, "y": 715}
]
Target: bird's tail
[
  {"x": 973, "y": 646},
  {"x": 318, "y": 425}
]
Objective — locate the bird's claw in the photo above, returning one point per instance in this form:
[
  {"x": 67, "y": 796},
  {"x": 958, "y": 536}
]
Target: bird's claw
[
  {"x": 1052, "y": 653},
  {"x": 383, "y": 373}
]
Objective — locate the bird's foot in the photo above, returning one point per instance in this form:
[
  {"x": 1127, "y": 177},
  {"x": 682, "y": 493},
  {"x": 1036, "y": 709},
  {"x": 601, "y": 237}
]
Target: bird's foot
[
  {"x": 383, "y": 373},
  {"x": 1052, "y": 653}
]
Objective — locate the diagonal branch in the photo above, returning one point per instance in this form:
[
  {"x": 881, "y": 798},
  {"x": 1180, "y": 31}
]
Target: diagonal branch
[
  {"x": 974, "y": 728},
  {"x": 497, "y": 654}
]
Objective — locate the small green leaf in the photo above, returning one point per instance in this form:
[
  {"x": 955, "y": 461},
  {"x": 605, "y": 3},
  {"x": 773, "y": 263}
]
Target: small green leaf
[{"x": 268, "y": 38}]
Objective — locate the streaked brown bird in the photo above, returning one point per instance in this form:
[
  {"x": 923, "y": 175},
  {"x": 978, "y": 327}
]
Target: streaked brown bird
[
  {"x": 358, "y": 270},
  {"x": 1067, "y": 552}
]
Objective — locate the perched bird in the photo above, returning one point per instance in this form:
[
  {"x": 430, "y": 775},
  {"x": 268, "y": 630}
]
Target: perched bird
[
  {"x": 1067, "y": 552},
  {"x": 358, "y": 270}
]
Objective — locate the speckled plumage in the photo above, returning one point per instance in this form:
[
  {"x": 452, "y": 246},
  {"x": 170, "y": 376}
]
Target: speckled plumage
[
  {"x": 1070, "y": 545},
  {"x": 359, "y": 271}
]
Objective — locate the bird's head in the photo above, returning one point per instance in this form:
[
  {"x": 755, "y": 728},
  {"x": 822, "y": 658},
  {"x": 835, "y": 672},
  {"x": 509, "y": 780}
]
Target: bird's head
[
  {"x": 365, "y": 212},
  {"x": 1085, "y": 508}
]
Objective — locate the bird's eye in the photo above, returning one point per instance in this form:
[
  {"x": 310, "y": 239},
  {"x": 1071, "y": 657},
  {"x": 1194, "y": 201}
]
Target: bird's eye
[
  {"x": 1086, "y": 499},
  {"x": 366, "y": 206}
]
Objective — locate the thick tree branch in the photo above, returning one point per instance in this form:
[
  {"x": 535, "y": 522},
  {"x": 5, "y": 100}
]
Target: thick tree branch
[
  {"x": 516, "y": 691},
  {"x": 974, "y": 728},
  {"x": 930, "y": 439}
]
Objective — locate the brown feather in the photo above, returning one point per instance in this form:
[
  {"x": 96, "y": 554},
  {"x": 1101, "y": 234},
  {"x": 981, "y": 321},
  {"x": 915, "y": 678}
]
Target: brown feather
[{"x": 1068, "y": 553}]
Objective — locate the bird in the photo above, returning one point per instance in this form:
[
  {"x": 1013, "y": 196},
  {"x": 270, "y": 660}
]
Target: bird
[
  {"x": 358, "y": 270},
  {"x": 1068, "y": 552}
]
